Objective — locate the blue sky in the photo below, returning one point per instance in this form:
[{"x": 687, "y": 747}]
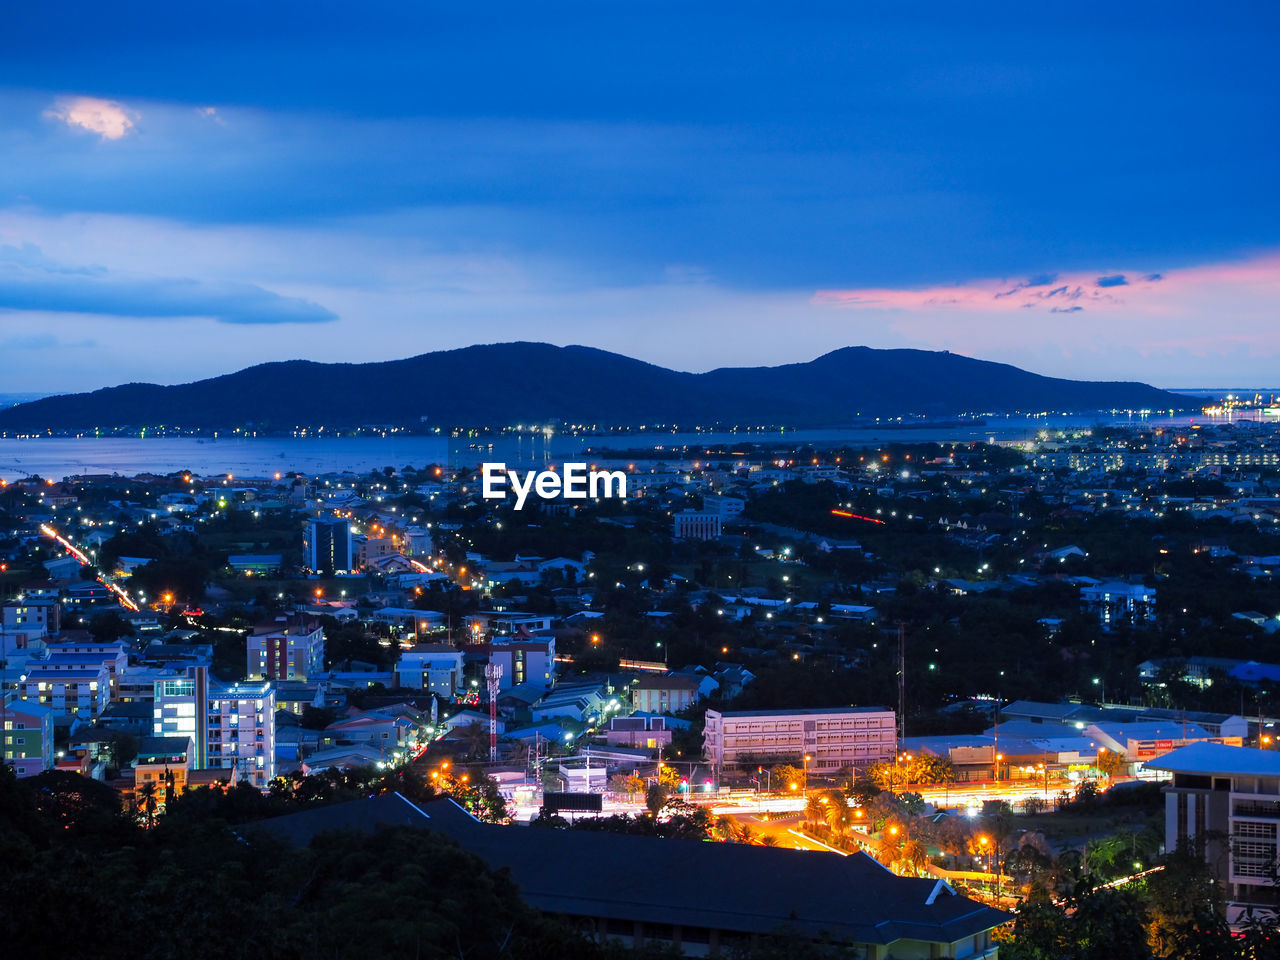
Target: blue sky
[{"x": 1084, "y": 191}]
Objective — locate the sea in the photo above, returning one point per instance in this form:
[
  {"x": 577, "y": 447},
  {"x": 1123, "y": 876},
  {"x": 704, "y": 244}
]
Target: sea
[{"x": 59, "y": 457}]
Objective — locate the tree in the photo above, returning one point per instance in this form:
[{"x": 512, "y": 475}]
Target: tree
[
  {"x": 1110, "y": 924},
  {"x": 1041, "y": 930},
  {"x": 109, "y": 627},
  {"x": 1110, "y": 763},
  {"x": 147, "y": 802},
  {"x": 1187, "y": 907},
  {"x": 626, "y": 783},
  {"x": 814, "y": 810},
  {"x": 916, "y": 853},
  {"x": 835, "y": 810},
  {"x": 655, "y": 799},
  {"x": 788, "y": 778}
]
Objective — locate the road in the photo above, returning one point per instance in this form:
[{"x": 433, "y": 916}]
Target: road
[{"x": 785, "y": 829}]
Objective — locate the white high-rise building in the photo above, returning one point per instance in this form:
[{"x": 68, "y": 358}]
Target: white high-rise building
[{"x": 241, "y": 724}]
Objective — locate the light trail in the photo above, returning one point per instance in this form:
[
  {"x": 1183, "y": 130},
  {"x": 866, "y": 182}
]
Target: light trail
[
  {"x": 855, "y": 516},
  {"x": 80, "y": 555}
]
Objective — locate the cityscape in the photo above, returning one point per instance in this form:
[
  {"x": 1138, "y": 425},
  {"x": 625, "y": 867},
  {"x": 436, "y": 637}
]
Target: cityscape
[{"x": 543, "y": 487}]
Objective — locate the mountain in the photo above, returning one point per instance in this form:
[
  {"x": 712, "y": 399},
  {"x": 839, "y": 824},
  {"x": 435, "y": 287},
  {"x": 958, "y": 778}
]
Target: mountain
[{"x": 509, "y": 383}]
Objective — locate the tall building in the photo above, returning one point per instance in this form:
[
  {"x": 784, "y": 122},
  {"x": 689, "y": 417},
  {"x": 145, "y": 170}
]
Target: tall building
[
  {"x": 241, "y": 738},
  {"x": 327, "y": 546},
  {"x": 178, "y": 708},
  {"x": 1224, "y": 802},
  {"x": 232, "y": 727},
  {"x": 287, "y": 648},
  {"x": 832, "y": 737}
]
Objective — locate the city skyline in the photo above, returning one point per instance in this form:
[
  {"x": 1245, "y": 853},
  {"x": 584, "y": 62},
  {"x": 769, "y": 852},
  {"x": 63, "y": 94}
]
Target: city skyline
[{"x": 1087, "y": 199}]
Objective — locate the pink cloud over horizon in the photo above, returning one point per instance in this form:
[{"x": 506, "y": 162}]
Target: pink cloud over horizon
[{"x": 1206, "y": 310}]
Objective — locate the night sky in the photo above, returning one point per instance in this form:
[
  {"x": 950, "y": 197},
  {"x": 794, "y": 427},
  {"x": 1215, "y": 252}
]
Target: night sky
[{"x": 1084, "y": 190}]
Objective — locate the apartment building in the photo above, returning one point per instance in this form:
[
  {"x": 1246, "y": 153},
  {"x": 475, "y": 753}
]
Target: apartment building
[
  {"x": 434, "y": 667},
  {"x": 287, "y": 648},
  {"x": 524, "y": 661},
  {"x": 1224, "y": 802},
  {"x": 241, "y": 732},
  {"x": 74, "y": 692},
  {"x": 832, "y": 737},
  {"x": 27, "y": 736},
  {"x": 1115, "y": 602}
]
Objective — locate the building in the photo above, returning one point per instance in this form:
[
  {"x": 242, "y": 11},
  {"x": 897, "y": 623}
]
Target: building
[
  {"x": 726, "y": 507},
  {"x": 1143, "y": 741},
  {"x": 1115, "y": 603},
  {"x": 89, "y": 655},
  {"x": 648, "y": 732},
  {"x": 241, "y": 737},
  {"x": 1224, "y": 802},
  {"x": 167, "y": 764},
  {"x": 524, "y": 661},
  {"x": 287, "y": 648},
  {"x": 75, "y": 692},
  {"x": 327, "y": 546},
  {"x": 255, "y": 564},
  {"x": 180, "y": 709},
  {"x": 29, "y": 620},
  {"x": 833, "y": 737},
  {"x": 665, "y": 693},
  {"x": 28, "y": 736},
  {"x": 695, "y": 525},
  {"x": 744, "y": 892},
  {"x": 434, "y": 667}
]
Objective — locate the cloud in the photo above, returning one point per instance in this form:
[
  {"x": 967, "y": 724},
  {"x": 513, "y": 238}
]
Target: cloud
[
  {"x": 1114, "y": 280},
  {"x": 1066, "y": 309},
  {"x": 31, "y": 282},
  {"x": 43, "y": 341},
  {"x": 107, "y": 118}
]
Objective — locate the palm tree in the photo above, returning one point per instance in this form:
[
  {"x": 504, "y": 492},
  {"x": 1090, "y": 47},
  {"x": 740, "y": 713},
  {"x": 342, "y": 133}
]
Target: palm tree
[
  {"x": 916, "y": 852},
  {"x": 147, "y": 801},
  {"x": 815, "y": 810},
  {"x": 475, "y": 738},
  {"x": 836, "y": 810}
]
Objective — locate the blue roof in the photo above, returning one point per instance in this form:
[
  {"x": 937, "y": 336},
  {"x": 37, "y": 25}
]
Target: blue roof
[{"x": 1207, "y": 758}]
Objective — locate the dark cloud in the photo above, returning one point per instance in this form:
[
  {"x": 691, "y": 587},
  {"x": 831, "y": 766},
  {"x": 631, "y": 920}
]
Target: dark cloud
[
  {"x": 1075, "y": 309},
  {"x": 29, "y": 281},
  {"x": 1114, "y": 280},
  {"x": 1153, "y": 277}
]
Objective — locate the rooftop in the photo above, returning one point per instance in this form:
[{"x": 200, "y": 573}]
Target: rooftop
[
  {"x": 740, "y": 887},
  {"x": 1206, "y": 758},
  {"x": 801, "y": 711}
]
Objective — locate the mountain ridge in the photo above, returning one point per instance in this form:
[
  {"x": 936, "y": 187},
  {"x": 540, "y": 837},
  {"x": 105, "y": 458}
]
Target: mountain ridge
[{"x": 530, "y": 382}]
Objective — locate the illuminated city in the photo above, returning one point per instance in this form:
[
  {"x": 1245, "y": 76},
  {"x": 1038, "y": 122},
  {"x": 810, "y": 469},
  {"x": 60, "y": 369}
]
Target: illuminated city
[{"x": 602, "y": 482}]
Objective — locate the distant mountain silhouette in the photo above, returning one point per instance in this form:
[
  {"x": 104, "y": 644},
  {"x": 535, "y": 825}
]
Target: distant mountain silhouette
[{"x": 510, "y": 383}]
